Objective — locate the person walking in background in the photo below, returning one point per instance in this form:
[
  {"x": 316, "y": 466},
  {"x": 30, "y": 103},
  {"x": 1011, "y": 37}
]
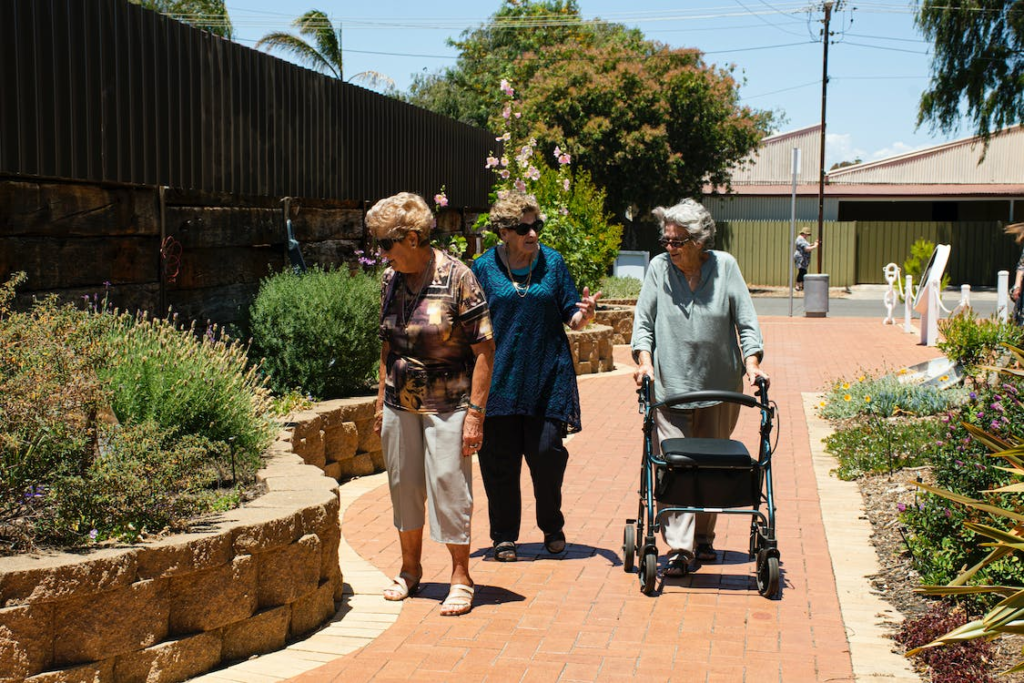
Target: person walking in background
[
  {"x": 435, "y": 373},
  {"x": 802, "y": 256},
  {"x": 694, "y": 329},
  {"x": 534, "y": 402}
]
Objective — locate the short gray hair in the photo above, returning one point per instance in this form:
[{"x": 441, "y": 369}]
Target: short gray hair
[{"x": 692, "y": 217}]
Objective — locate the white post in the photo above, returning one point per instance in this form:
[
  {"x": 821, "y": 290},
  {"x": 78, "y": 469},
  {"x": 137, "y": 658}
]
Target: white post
[
  {"x": 1003, "y": 295},
  {"x": 892, "y": 276},
  {"x": 930, "y": 316},
  {"x": 792, "y": 224},
  {"x": 908, "y": 299},
  {"x": 965, "y": 298}
]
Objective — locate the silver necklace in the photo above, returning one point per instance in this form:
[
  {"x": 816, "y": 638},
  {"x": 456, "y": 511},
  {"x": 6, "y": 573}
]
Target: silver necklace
[
  {"x": 410, "y": 299},
  {"x": 521, "y": 289}
]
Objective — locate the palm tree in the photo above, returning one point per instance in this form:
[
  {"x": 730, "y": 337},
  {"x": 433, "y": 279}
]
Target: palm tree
[{"x": 322, "y": 52}]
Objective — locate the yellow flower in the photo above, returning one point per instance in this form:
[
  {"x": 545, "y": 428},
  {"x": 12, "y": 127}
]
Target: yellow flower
[
  {"x": 903, "y": 371},
  {"x": 822, "y": 404},
  {"x": 861, "y": 378},
  {"x": 846, "y": 385},
  {"x": 944, "y": 378},
  {"x": 867, "y": 399},
  {"x": 847, "y": 397}
]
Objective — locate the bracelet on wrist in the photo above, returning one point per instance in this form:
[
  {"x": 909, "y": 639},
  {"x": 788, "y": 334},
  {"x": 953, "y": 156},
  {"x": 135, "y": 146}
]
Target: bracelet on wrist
[{"x": 475, "y": 407}]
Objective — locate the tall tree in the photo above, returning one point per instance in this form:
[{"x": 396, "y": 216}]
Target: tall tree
[
  {"x": 650, "y": 124},
  {"x": 322, "y": 51},
  {"x": 978, "y": 64},
  {"x": 209, "y": 15},
  {"x": 508, "y": 46}
]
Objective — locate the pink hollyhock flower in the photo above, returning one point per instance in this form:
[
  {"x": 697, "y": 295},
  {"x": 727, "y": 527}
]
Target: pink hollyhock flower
[
  {"x": 504, "y": 173},
  {"x": 520, "y": 185},
  {"x": 440, "y": 199},
  {"x": 506, "y": 112},
  {"x": 565, "y": 184},
  {"x": 533, "y": 173},
  {"x": 563, "y": 159},
  {"x": 506, "y": 88},
  {"x": 491, "y": 162}
]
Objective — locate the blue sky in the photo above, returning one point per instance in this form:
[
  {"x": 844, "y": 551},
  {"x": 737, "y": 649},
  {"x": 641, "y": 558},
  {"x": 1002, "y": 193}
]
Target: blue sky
[{"x": 878, "y": 63}]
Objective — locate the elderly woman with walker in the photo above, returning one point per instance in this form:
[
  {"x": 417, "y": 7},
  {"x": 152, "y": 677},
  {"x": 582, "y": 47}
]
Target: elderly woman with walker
[
  {"x": 694, "y": 329},
  {"x": 435, "y": 374}
]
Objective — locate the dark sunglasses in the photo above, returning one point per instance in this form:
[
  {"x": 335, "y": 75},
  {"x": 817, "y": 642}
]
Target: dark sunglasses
[
  {"x": 525, "y": 228},
  {"x": 666, "y": 242},
  {"x": 386, "y": 243}
]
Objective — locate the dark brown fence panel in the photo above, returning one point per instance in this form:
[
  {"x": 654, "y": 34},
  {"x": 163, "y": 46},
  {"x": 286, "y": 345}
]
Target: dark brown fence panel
[{"x": 105, "y": 91}]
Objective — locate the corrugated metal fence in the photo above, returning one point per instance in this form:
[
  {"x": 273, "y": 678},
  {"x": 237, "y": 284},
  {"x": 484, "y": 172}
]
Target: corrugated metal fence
[
  {"x": 856, "y": 252},
  {"x": 102, "y": 90}
]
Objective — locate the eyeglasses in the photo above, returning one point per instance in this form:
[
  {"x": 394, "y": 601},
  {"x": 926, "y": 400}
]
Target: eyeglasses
[
  {"x": 525, "y": 228},
  {"x": 675, "y": 244},
  {"x": 386, "y": 243}
]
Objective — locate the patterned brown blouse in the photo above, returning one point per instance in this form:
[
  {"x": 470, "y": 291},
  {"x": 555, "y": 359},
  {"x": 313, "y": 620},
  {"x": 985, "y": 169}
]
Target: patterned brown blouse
[{"x": 430, "y": 334}]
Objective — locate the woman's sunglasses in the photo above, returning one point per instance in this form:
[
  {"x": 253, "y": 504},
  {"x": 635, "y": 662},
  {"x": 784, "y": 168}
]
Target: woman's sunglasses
[
  {"x": 386, "y": 243},
  {"x": 675, "y": 244},
  {"x": 525, "y": 228}
]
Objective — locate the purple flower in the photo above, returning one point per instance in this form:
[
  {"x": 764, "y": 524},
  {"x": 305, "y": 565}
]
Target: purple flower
[
  {"x": 973, "y": 395},
  {"x": 901, "y": 507},
  {"x": 947, "y": 513},
  {"x": 93, "y": 534},
  {"x": 981, "y": 414},
  {"x": 994, "y": 424},
  {"x": 959, "y": 463}
]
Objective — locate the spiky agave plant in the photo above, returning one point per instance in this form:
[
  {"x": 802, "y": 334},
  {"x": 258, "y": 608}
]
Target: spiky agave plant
[{"x": 1008, "y": 615}]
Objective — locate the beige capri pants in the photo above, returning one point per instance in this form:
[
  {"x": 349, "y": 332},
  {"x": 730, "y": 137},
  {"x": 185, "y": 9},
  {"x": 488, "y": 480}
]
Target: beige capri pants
[
  {"x": 682, "y": 531},
  {"x": 423, "y": 456}
]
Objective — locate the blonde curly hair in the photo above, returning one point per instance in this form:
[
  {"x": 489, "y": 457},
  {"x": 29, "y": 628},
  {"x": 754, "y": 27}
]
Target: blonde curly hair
[
  {"x": 396, "y": 216},
  {"x": 508, "y": 211}
]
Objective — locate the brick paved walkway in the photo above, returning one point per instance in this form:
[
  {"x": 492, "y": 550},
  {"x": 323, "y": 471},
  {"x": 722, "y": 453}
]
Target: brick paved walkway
[{"x": 580, "y": 617}]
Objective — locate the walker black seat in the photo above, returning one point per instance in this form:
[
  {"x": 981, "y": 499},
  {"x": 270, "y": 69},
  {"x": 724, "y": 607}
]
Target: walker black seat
[{"x": 712, "y": 473}]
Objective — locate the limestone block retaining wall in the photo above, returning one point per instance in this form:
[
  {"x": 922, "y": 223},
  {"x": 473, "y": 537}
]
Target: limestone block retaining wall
[
  {"x": 243, "y": 583},
  {"x": 337, "y": 436},
  {"x": 592, "y": 349},
  {"x": 619, "y": 317}
]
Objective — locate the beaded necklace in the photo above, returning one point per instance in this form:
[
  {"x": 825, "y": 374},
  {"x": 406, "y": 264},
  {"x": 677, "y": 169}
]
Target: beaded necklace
[{"x": 521, "y": 289}]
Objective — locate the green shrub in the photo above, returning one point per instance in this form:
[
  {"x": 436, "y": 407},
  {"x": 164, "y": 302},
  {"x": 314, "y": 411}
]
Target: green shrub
[
  {"x": 113, "y": 426},
  {"x": 620, "y": 287},
  {"x": 886, "y": 396},
  {"x": 200, "y": 385},
  {"x": 970, "y": 341},
  {"x": 883, "y": 445},
  {"x": 941, "y": 543},
  {"x": 920, "y": 253},
  {"x": 318, "y": 331}
]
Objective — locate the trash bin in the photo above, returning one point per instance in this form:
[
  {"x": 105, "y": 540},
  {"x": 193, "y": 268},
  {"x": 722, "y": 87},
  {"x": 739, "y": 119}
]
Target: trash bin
[{"x": 816, "y": 295}]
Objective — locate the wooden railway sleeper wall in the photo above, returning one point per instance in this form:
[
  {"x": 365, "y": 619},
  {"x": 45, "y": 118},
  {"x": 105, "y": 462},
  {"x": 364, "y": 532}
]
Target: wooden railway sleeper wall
[{"x": 202, "y": 254}]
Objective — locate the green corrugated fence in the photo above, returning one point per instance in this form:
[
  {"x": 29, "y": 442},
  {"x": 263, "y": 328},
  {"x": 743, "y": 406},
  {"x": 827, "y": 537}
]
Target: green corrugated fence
[{"x": 856, "y": 252}]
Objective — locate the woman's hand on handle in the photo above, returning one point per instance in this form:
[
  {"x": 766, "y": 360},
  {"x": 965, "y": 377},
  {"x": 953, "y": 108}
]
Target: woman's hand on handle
[
  {"x": 644, "y": 369},
  {"x": 753, "y": 371}
]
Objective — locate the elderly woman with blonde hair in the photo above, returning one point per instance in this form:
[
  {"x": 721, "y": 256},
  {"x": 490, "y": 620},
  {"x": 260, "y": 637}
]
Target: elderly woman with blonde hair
[
  {"x": 435, "y": 374},
  {"x": 1017, "y": 231},
  {"x": 534, "y": 401},
  {"x": 694, "y": 329}
]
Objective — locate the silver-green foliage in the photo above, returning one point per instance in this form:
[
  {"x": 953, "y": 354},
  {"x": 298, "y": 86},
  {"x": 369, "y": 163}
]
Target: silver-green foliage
[
  {"x": 886, "y": 396},
  {"x": 318, "y": 331}
]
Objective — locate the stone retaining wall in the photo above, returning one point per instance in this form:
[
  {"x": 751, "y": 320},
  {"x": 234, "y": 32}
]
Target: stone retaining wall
[
  {"x": 592, "y": 349},
  {"x": 619, "y": 318},
  {"x": 245, "y": 582}
]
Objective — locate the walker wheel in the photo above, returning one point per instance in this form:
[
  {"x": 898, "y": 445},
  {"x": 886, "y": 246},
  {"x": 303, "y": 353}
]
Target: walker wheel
[
  {"x": 768, "y": 577},
  {"x": 628, "y": 546},
  {"x": 648, "y": 572}
]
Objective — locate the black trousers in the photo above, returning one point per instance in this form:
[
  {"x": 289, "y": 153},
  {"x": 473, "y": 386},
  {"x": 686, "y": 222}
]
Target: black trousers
[
  {"x": 800, "y": 274},
  {"x": 507, "y": 441}
]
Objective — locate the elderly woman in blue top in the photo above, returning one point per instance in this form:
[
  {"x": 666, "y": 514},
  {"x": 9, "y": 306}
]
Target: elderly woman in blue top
[
  {"x": 533, "y": 402},
  {"x": 694, "y": 329}
]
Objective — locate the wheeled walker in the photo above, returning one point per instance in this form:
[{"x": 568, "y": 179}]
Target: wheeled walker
[{"x": 705, "y": 475}]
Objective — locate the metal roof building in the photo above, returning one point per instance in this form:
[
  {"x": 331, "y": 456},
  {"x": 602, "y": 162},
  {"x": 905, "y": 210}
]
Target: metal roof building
[{"x": 948, "y": 182}]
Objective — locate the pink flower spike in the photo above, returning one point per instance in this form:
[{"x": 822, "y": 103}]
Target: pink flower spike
[
  {"x": 506, "y": 112},
  {"x": 565, "y": 184},
  {"x": 440, "y": 199}
]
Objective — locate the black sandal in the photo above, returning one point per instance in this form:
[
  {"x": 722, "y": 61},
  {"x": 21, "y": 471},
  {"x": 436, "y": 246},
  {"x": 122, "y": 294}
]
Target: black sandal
[
  {"x": 554, "y": 543},
  {"x": 505, "y": 552},
  {"x": 677, "y": 567}
]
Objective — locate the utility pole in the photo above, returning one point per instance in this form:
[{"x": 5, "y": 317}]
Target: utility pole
[{"x": 821, "y": 163}]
